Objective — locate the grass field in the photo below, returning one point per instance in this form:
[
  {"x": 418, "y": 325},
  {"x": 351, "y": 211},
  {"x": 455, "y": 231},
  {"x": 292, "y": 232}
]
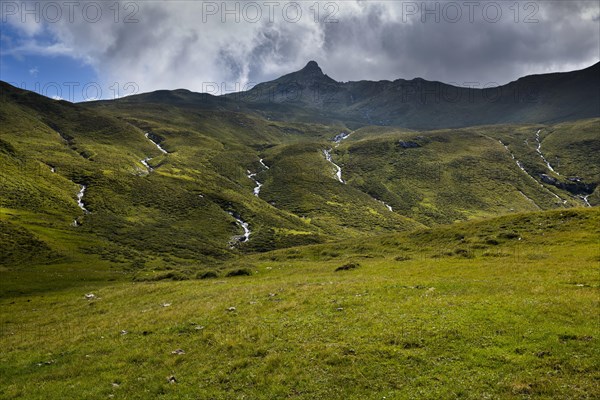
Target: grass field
[{"x": 500, "y": 308}]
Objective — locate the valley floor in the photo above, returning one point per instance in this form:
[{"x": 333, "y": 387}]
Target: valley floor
[{"x": 503, "y": 308}]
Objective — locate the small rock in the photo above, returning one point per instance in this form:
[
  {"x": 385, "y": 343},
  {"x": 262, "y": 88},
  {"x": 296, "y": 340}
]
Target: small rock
[
  {"x": 166, "y": 304},
  {"x": 408, "y": 144},
  {"x": 115, "y": 384},
  {"x": 272, "y": 294},
  {"x": 231, "y": 309},
  {"x": 340, "y": 309},
  {"x": 172, "y": 379},
  {"x": 90, "y": 296},
  {"x": 199, "y": 327},
  {"x": 178, "y": 352},
  {"x": 124, "y": 332}
]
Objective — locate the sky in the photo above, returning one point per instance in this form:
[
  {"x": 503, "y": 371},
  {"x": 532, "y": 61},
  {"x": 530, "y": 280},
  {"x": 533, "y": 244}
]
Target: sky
[{"x": 86, "y": 50}]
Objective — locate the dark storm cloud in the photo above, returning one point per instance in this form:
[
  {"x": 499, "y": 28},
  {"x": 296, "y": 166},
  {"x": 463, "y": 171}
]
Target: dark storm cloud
[
  {"x": 564, "y": 37},
  {"x": 178, "y": 44}
]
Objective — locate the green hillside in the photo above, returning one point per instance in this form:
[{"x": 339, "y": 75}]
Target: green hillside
[{"x": 169, "y": 185}]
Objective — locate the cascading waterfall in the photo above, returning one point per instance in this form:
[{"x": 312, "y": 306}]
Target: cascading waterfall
[
  {"x": 80, "y": 203},
  {"x": 539, "y": 151},
  {"x": 252, "y": 175},
  {"x": 146, "y": 160},
  {"x": 245, "y": 226},
  {"x": 147, "y": 134},
  {"x": 338, "y": 173}
]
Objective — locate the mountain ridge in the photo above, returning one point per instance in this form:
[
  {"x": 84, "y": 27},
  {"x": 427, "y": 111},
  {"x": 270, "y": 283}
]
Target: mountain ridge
[
  {"x": 310, "y": 95},
  {"x": 423, "y": 104}
]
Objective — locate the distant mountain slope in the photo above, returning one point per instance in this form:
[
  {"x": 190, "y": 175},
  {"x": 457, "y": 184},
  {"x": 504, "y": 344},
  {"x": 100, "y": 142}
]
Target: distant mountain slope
[
  {"x": 309, "y": 95},
  {"x": 421, "y": 104}
]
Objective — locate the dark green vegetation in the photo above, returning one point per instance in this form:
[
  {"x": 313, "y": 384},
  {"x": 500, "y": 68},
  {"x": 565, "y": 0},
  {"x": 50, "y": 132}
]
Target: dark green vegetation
[{"x": 436, "y": 264}]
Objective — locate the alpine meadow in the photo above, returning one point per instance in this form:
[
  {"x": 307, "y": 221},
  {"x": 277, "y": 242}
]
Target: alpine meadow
[{"x": 287, "y": 200}]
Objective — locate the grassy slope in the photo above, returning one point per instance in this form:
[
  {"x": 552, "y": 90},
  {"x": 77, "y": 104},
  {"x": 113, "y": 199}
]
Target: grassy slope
[
  {"x": 153, "y": 214},
  {"x": 149, "y": 222},
  {"x": 501, "y": 308}
]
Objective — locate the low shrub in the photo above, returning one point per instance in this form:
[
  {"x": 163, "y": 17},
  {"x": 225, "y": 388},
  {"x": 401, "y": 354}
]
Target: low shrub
[
  {"x": 347, "y": 267},
  {"x": 239, "y": 272},
  {"x": 207, "y": 275}
]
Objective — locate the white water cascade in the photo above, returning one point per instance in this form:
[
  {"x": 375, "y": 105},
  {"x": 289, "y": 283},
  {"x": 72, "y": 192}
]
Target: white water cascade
[
  {"x": 252, "y": 176},
  {"x": 146, "y": 160},
  {"x": 338, "y": 173},
  {"x": 539, "y": 151},
  {"x": 245, "y": 226}
]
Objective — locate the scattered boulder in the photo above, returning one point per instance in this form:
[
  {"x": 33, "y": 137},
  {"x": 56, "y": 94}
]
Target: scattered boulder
[
  {"x": 178, "y": 352},
  {"x": 408, "y": 144},
  {"x": 90, "y": 296},
  {"x": 172, "y": 379},
  {"x": 231, "y": 309}
]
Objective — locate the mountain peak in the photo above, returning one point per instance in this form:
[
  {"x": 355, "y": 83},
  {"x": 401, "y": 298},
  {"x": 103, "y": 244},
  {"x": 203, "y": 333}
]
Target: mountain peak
[{"x": 312, "y": 67}]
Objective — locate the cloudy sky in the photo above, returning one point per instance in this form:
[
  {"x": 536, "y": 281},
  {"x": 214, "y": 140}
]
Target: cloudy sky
[{"x": 84, "y": 49}]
